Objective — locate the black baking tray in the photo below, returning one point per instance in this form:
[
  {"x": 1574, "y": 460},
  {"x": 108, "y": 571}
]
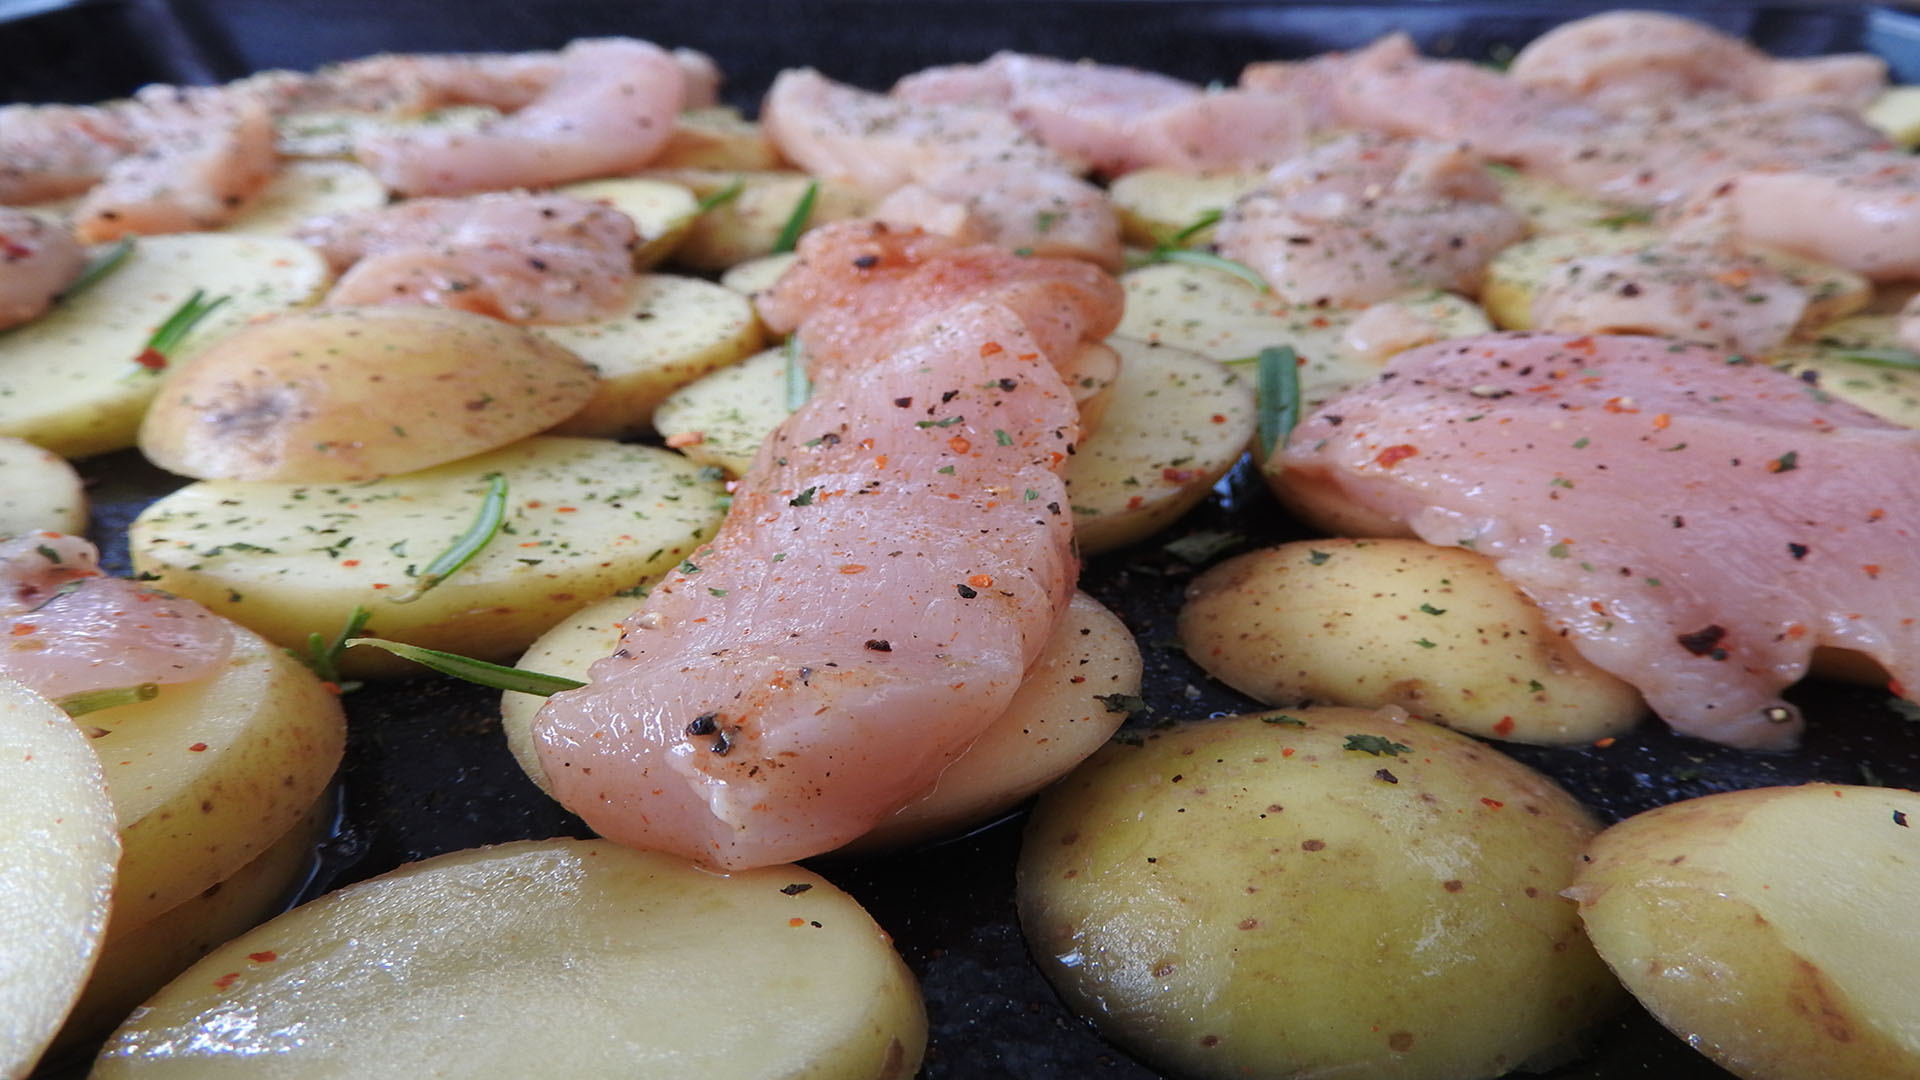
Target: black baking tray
[{"x": 427, "y": 770}]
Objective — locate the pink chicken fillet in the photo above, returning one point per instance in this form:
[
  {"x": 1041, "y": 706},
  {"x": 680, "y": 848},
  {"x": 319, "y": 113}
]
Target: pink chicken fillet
[{"x": 892, "y": 562}]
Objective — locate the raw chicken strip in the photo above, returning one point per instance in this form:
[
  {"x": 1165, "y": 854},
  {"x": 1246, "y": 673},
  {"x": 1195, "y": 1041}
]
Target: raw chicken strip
[
  {"x": 37, "y": 260},
  {"x": 53, "y": 151},
  {"x": 1697, "y": 525},
  {"x": 891, "y": 564},
  {"x": 202, "y": 155},
  {"x": 1706, "y": 293},
  {"x": 1858, "y": 211}
]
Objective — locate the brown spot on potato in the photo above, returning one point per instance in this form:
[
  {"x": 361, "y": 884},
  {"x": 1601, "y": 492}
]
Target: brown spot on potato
[
  {"x": 1312, "y": 845},
  {"x": 1209, "y": 1041},
  {"x": 1249, "y": 924},
  {"x": 1452, "y": 886},
  {"x": 1400, "y": 1042}
]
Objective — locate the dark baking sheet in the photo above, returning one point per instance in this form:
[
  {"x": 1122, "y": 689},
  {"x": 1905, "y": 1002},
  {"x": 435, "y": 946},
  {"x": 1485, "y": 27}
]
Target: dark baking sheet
[{"x": 427, "y": 770}]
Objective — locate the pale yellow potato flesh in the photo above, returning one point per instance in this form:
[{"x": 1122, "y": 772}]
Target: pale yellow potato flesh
[
  {"x": 1436, "y": 631},
  {"x": 1551, "y": 207},
  {"x": 1250, "y": 897},
  {"x": 564, "y": 958},
  {"x": 717, "y": 138},
  {"x": 135, "y": 961},
  {"x": 672, "y": 331},
  {"x": 1771, "y": 928},
  {"x": 1891, "y": 393},
  {"x": 303, "y": 190},
  {"x": 209, "y": 774},
  {"x": 1897, "y": 112},
  {"x": 349, "y": 394},
  {"x": 585, "y": 518},
  {"x": 1156, "y": 204},
  {"x": 57, "y": 852},
  {"x": 68, "y": 380},
  {"x": 1174, "y": 424},
  {"x": 756, "y": 276},
  {"x": 1514, "y": 276},
  {"x": 333, "y": 133},
  {"x": 722, "y": 419},
  {"x": 747, "y": 225},
  {"x": 41, "y": 491},
  {"x": 661, "y": 212},
  {"x": 1055, "y": 720}
]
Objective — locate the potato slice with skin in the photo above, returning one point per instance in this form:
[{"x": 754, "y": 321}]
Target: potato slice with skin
[
  {"x": 585, "y": 518},
  {"x": 1319, "y": 893},
  {"x": 1056, "y": 718},
  {"x": 68, "y": 381},
  {"x": 747, "y": 225},
  {"x": 1891, "y": 393},
  {"x": 756, "y": 276},
  {"x": 42, "y": 492},
  {"x": 586, "y": 960},
  {"x": 343, "y": 395},
  {"x": 1436, "y": 631},
  {"x": 1176, "y": 423},
  {"x": 1156, "y": 204},
  {"x": 1770, "y": 928},
  {"x": 308, "y": 189},
  {"x": 209, "y": 774},
  {"x": 661, "y": 212},
  {"x": 1514, "y": 275},
  {"x": 57, "y": 852},
  {"x": 674, "y": 330}
]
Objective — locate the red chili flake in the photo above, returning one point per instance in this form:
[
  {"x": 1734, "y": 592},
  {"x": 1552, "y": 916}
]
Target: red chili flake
[
  {"x": 1492, "y": 803},
  {"x": 796, "y": 921},
  {"x": 152, "y": 360},
  {"x": 1894, "y": 688},
  {"x": 23, "y": 629},
  {"x": 349, "y": 562},
  {"x": 1394, "y": 455},
  {"x": 880, "y": 462},
  {"x": 1219, "y": 418},
  {"x": 959, "y": 444},
  {"x": 1786, "y": 462},
  {"x": 1872, "y": 569},
  {"x": 1618, "y": 405},
  {"x": 852, "y": 568},
  {"x": 1660, "y": 422},
  {"x": 1504, "y": 726},
  {"x": 1604, "y": 743},
  {"x": 991, "y": 348},
  {"x": 198, "y": 748},
  {"x": 981, "y": 581},
  {"x": 379, "y": 584},
  {"x": 566, "y": 509},
  {"x": 1136, "y": 502},
  {"x": 226, "y": 980},
  {"x": 266, "y": 957},
  {"x": 1286, "y": 751},
  {"x": 1176, "y": 476},
  {"x": 12, "y": 249}
]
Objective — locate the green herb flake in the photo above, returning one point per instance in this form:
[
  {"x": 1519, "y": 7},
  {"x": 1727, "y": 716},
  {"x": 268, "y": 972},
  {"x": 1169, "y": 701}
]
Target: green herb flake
[
  {"x": 1002, "y": 438},
  {"x": 1535, "y": 686},
  {"x": 1283, "y": 718},
  {"x": 1131, "y": 704},
  {"x": 1558, "y": 551},
  {"x": 797, "y": 221},
  {"x": 1375, "y": 745},
  {"x": 1278, "y": 391},
  {"x": 1317, "y": 557},
  {"x": 1429, "y": 609},
  {"x": 805, "y": 498},
  {"x": 87, "y": 701},
  {"x": 1425, "y": 644},
  {"x": 1581, "y": 443}
]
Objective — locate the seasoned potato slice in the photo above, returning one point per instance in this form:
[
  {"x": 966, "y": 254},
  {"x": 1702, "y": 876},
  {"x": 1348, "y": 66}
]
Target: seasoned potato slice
[
  {"x": 1550, "y": 206},
  {"x": 68, "y": 380},
  {"x": 1175, "y": 424},
  {"x": 674, "y": 330},
  {"x": 1897, "y": 112},
  {"x": 341, "y": 395},
  {"x": 57, "y": 852},
  {"x": 717, "y": 138},
  {"x": 756, "y": 276},
  {"x": 41, "y": 492},
  {"x": 1770, "y": 928},
  {"x": 1156, "y": 204},
  {"x": 1056, "y": 719},
  {"x": 308, "y": 189},
  {"x": 209, "y": 774},
  {"x": 1515, "y": 275},
  {"x": 585, "y": 518},
  {"x": 747, "y": 225},
  {"x": 661, "y": 212},
  {"x": 333, "y": 133},
  {"x": 585, "y": 960},
  {"x": 1327, "y": 893},
  {"x": 1436, "y": 631},
  {"x": 722, "y": 419},
  {"x": 1888, "y": 390}
]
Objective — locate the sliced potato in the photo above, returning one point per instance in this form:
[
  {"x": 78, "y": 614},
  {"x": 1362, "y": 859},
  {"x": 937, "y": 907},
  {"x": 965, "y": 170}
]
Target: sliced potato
[
  {"x": 1550, "y": 206},
  {"x": 210, "y": 774},
  {"x": 333, "y": 133},
  {"x": 1515, "y": 275},
  {"x": 1330, "y": 892},
  {"x": 1157, "y": 204},
  {"x": 1436, "y": 631},
  {"x": 1897, "y": 112},
  {"x": 1056, "y": 719},
  {"x": 1175, "y": 424},
  {"x": 674, "y": 330},
  {"x": 756, "y": 276},
  {"x": 717, "y": 138},
  {"x": 1889, "y": 392},
  {"x": 722, "y": 419},
  {"x": 1770, "y": 928},
  {"x": 584, "y": 960},
  {"x": 57, "y": 852},
  {"x": 747, "y": 225},
  {"x": 309, "y": 189},
  {"x": 68, "y": 380},
  {"x": 41, "y": 493},
  {"x": 585, "y": 518},
  {"x": 343, "y": 394},
  {"x": 661, "y": 212}
]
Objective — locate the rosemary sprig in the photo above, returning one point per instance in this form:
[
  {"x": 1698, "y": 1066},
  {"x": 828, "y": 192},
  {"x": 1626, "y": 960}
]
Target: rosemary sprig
[
  {"x": 106, "y": 262},
  {"x": 1278, "y": 389},
  {"x": 799, "y": 388},
  {"x": 323, "y": 657},
  {"x": 87, "y": 701},
  {"x": 720, "y": 198},
  {"x": 486, "y": 525},
  {"x": 1898, "y": 359},
  {"x": 498, "y": 676},
  {"x": 797, "y": 221},
  {"x": 1205, "y": 221},
  {"x": 159, "y": 348}
]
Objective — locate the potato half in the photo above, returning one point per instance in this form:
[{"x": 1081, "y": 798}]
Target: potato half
[
  {"x": 41, "y": 493},
  {"x": 1770, "y": 928},
  {"x": 1056, "y": 719},
  {"x": 1436, "y": 631},
  {"x": 1331, "y": 892},
  {"x": 747, "y": 225},
  {"x": 344, "y": 394},
  {"x": 585, "y": 518},
  {"x": 661, "y": 212},
  {"x": 1157, "y": 204},
  {"x": 57, "y": 852},
  {"x": 574, "y": 958}
]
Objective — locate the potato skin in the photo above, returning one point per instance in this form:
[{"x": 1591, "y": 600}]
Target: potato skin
[
  {"x": 342, "y": 395},
  {"x": 1770, "y": 927},
  {"x": 1248, "y": 898},
  {"x": 1436, "y": 631}
]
